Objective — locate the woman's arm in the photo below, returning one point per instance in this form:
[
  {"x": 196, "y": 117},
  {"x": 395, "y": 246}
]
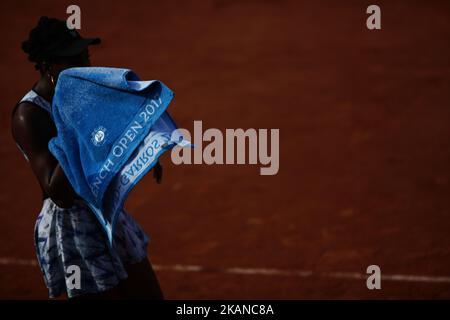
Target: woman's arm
[{"x": 32, "y": 129}]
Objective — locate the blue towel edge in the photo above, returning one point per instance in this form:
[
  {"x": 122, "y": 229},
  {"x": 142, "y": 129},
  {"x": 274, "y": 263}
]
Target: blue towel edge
[{"x": 141, "y": 175}]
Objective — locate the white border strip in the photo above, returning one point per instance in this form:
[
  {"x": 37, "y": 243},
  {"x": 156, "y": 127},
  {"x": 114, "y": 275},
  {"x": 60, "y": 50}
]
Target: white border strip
[{"x": 265, "y": 272}]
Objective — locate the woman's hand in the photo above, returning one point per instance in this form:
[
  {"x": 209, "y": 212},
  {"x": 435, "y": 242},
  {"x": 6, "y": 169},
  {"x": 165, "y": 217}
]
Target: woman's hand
[{"x": 157, "y": 172}]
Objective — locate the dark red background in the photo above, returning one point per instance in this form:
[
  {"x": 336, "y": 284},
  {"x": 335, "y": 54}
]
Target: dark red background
[{"x": 364, "y": 143}]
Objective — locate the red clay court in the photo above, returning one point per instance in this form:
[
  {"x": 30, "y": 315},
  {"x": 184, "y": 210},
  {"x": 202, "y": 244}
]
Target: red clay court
[{"x": 364, "y": 145}]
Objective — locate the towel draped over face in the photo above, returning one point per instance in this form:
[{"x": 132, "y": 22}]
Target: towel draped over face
[{"x": 112, "y": 128}]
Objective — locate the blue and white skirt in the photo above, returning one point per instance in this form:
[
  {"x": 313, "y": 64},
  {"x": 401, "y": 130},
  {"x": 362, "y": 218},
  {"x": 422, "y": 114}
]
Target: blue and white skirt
[{"x": 74, "y": 237}]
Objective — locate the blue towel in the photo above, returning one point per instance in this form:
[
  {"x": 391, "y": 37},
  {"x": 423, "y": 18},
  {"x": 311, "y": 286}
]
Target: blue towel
[{"x": 112, "y": 128}]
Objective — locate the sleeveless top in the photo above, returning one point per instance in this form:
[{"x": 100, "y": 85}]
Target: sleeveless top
[
  {"x": 72, "y": 237},
  {"x": 39, "y": 101}
]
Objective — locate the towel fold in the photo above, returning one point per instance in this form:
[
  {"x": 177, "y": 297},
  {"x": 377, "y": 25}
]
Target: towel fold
[{"x": 112, "y": 128}]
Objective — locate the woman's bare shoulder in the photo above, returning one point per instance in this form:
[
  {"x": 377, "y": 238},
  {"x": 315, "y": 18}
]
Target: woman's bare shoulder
[
  {"x": 26, "y": 111},
  {"x": 31, "y": 122}
]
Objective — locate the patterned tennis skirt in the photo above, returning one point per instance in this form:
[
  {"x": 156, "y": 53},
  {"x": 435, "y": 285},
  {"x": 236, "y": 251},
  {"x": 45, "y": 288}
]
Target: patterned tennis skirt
[{"x": 74, "y": 237}]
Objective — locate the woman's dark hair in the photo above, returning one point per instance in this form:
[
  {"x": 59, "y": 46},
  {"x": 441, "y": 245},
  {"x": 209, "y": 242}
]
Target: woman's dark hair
[{"x": 42, "y": 37}]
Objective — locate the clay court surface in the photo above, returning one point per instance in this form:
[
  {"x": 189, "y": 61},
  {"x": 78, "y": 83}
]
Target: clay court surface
[{"x": 364, "y": 145}]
